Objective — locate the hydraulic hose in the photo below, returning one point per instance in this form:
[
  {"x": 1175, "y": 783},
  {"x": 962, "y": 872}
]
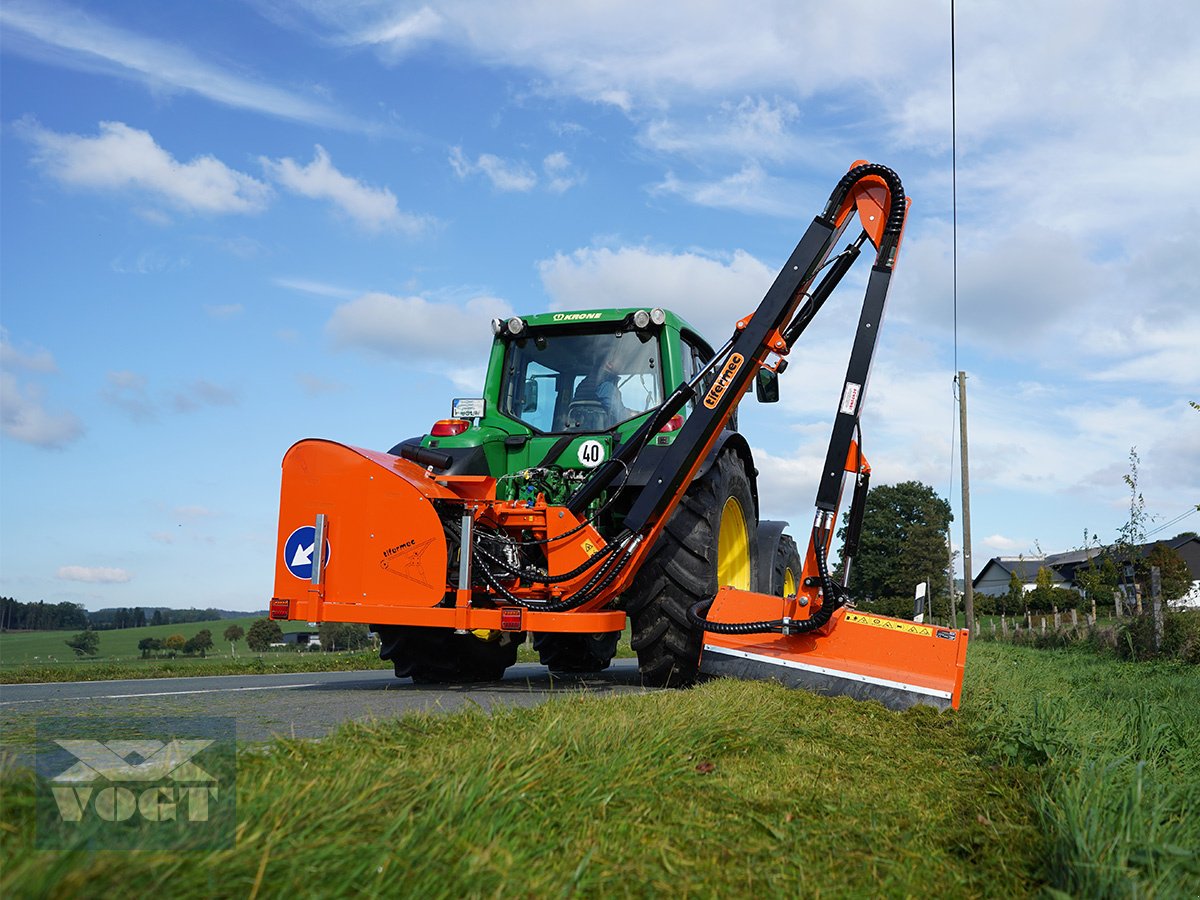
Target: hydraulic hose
[
  {"x": 896, "y": 211},
  {"x": 698, "y": 611}
]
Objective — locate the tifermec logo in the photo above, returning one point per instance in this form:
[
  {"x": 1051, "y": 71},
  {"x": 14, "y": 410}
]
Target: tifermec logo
[
  {"x": 148, "y": 783},
  {"x": 721, "y": 385}
]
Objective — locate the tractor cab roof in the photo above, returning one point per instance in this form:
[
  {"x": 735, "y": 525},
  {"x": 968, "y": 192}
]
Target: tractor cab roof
[{"x": 612, "y": 316}]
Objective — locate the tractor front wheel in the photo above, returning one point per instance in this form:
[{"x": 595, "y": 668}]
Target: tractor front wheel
[
  {"x": 576, "y": 654},
  {"x": 440, "y": 656},
  {"x": 705, "y": 545}
]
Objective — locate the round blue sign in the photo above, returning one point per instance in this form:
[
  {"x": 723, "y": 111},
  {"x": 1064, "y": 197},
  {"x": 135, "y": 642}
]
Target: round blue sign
[{"x": 298, "y": 552}]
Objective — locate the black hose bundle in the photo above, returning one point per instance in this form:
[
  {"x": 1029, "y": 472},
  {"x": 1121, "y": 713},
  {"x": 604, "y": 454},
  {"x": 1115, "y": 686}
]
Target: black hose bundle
[{"x": 831, "y": 600}]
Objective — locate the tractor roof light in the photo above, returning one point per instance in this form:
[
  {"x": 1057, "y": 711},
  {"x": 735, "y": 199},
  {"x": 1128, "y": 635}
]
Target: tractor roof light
[
  {"x": 516, "y": 325},
  {"x": 641, "y": 319},
  {"x": 658, "y": 315},
  {"x": 497, "y": 326}
]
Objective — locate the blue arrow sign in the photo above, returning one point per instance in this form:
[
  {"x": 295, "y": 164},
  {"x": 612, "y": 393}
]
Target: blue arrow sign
[{"x": 298, "y": 551}]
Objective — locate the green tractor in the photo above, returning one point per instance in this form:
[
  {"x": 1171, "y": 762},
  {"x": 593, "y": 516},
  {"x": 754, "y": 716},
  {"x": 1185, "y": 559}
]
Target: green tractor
[{"x": 563, "y": 391}]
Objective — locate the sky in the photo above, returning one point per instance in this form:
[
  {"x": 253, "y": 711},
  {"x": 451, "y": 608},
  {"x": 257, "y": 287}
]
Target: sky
[{"x": 230, "y": 225}]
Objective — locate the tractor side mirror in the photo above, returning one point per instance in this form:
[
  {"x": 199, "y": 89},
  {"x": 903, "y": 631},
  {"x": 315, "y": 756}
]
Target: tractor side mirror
[
  {"x": 766, "y": 386},
  {"x": 531, "y": 394}
]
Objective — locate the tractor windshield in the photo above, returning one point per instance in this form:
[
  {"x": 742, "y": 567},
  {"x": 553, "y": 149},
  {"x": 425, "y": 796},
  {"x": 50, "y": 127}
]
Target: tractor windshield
[{"x": 556, "y": 381}]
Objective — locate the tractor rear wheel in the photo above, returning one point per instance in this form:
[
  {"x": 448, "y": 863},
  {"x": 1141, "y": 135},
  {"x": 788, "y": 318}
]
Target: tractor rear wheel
[
  {"x": 576, "y": 653},
  {"x": 440, "y": 656},
  {"x": 705, "y": 545},
  {"x": 785, "y": 567}
]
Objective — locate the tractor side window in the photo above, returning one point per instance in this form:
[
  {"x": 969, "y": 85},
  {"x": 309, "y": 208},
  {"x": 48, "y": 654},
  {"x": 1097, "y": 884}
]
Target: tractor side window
[{"x": 539, "y": 396}]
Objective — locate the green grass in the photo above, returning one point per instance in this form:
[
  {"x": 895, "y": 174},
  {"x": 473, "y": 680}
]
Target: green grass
[
  {"x": 1063, "y": 772},
  {"x": 38, "y": 656},
  {"x": 1116, "y": 747},
  {"x": 24, "y": 648},
  {"x": 732, "y": 789}
]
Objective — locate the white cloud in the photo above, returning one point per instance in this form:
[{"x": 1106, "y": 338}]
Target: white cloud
[
  {"x": 710, "y": 292},
  {"x": 750, "y": 190},
  {"x": 413, "y": 330},
  {"x": 561, "y": 174},
  {"x": 129, "y": 391},
  {"x": 317, "y": 288},
  {"x": 371, "y": 208},
  {"x": 23, "y": 415},
  {"x": 24, "y": 418},
  {"x": 94, "y": 574},
  {"x": 752, "y": 128},
  {"x": 74, "y": 38},
  {"x": 504, "y": 175},
  {"x": 124, "y": 158},
  {"x": 396, "y": 34},
  {"x": 224, "y": 310},
  {"x": 32, "y": 359}
]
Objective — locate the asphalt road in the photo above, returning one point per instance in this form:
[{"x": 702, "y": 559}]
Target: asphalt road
[{"x": 301, "y": 704}]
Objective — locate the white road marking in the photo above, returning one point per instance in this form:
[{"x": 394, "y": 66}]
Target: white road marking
[{"x": 268, "y": 687}]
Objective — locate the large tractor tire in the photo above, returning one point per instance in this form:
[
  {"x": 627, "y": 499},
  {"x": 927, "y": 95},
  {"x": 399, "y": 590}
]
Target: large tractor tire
[
  {"x": 780, "y": 573},
  {"x": 707, "y": 543},
  {"x": 440, "y": 656},
  {"x": 576, "y": 654}
]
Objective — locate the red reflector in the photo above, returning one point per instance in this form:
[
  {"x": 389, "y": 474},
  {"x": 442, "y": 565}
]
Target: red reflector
[
  {"x": 673, "y": 424},
  {"x": 279, "y": 609},
  {"x": 449, "y": 427},
  {"x": 510, "y": 618}
]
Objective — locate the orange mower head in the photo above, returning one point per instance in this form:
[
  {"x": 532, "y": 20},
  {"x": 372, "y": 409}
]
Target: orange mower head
[{"x": 856, "y": 654}]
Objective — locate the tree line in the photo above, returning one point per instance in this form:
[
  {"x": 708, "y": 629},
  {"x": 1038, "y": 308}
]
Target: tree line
[{"x": 16, "y": 615}]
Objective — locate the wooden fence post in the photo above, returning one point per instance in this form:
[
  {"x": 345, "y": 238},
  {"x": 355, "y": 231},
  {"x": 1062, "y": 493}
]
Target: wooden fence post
[{"x": 1156, "y": 597}]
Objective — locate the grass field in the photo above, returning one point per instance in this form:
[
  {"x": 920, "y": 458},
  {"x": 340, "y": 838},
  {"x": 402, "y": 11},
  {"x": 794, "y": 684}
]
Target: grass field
[
  {"x": 40, "y": 656},
  {"x": 1063, "y": 772},
  {"x": 116, "y": 645}
]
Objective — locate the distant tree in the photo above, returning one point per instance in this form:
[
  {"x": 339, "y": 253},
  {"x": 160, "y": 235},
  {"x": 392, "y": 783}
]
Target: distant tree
[
  {"x": 342, "y": 636},
  {"x": 149, "y": 645},
  {"x": 233, "y": 634},
  {"x": 262, "y": 634},
  {"x": 201, "y": 642},
  {"x": 157, "y": 618},
  {"x": 174, "y": 644},
  {"x": 1012, "y": 603},
  {"x": 86, "y": 643},
  {"x": 1174, "y": 576},
  {"x": 903, "y": 543},
  {"x": 139, "y": 618}
]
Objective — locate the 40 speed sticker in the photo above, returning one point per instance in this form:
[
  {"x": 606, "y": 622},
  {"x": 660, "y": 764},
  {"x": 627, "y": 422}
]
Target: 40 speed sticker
[
  {"x": 591, "y": 454},
  {"x": 890, "y": 624}
]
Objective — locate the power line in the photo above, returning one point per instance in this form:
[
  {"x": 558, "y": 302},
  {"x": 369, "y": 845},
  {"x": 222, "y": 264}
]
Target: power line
[{"x": 1179, "y": 518}]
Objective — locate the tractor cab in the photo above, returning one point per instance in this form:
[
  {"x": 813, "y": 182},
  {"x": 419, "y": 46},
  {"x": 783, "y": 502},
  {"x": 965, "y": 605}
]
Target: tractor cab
[{"x": 591, "y": 379}]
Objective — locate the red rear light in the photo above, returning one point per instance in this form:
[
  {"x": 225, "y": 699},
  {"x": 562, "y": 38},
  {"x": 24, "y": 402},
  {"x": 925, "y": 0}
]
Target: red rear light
[
  {"x": 673, "y": 424},
  {"x": 279, "y": 608},
  {"x": 449, "y": 427},
  {"x": 510, "y": 618}
]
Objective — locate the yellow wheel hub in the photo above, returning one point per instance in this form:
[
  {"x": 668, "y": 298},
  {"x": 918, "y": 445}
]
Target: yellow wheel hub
[
  {"x": 789, "y": 582},
  {"x": 733, "y": 547}
]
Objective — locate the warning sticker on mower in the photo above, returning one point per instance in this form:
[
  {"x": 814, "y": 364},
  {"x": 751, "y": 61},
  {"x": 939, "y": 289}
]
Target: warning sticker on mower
[{"x": 890, "y": 624}]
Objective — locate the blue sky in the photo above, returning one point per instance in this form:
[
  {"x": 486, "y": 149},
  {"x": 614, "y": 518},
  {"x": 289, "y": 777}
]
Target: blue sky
[{"x": 226, "y": 226}]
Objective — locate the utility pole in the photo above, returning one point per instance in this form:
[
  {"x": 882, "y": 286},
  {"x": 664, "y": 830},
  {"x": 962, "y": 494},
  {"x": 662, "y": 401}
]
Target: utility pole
[{"x": 968, "y": 590}]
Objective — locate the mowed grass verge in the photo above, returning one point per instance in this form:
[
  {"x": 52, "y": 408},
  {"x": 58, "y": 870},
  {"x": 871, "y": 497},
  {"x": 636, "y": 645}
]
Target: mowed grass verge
[
  {"x": 731, "y": 789},
  {"x": 1064, "y": 771}
]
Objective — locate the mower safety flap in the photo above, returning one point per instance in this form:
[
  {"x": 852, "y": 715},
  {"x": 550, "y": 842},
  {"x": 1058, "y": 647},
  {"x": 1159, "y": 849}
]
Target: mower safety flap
[
  {"x": 384, "y": 543},
  {"x": 860, "y": 655}
]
